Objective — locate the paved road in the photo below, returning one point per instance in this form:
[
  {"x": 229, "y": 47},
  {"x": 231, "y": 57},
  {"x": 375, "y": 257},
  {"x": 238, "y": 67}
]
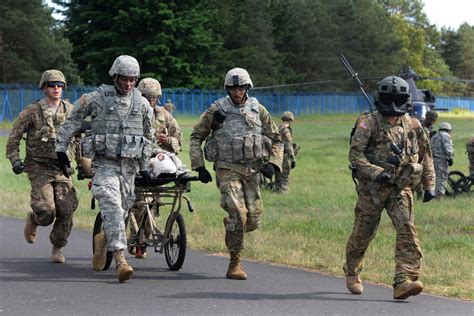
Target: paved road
[{"x": 31, "y": 285}]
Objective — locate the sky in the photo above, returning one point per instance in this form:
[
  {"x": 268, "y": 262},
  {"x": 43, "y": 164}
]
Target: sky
[{"x": 449, "y": 13}]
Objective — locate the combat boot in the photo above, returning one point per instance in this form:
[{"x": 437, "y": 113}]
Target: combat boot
[
  {"x": 57, "y": 255},
  {"x": 100, "y": 252},
  {"x": 30, "y": 229},
  {"x": 124, "y": 271},
  {"x": 354, "y": 284},
  {"x": 235, "y": 270},
  {"x": 407, "y": 288}
]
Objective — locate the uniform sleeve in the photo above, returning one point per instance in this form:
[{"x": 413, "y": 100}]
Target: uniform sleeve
[
  {"x": 428, "y": 176},
  {"x": 270, "y": 129},
  {"x": 288, "y": 141},
  {"x": 448, "y": 146},
  {"x": 20, "y": 126},
  {"x": 148, "y": 131},
  {"x": 359, "y": 143},
  {"x": 81, "y": 109},
  {"x": 200, "y": 132},
  {"x": 175, "y": 137}
]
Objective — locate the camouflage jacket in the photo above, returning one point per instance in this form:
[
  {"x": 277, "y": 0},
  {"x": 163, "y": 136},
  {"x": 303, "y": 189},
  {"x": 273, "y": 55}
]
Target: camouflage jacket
[
  {"x": 371, "y": 147},
  {"x": 206, "y": 124},
  {"x": 165, "y": 123},
  {"x": 442, "y": 146},
  {"x": 41, "y": 126},
  {"x": 287, "y": 138},
  {"x": 91, "y": 105}
]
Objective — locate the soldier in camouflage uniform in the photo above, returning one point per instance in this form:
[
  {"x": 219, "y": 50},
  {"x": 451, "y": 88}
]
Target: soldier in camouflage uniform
[
  {"x": 389, "y": 154},
  {"x": 429, "y": 122},
  {"x": 53, "y": 198},
  {"x": 470, "y": 155},
  {"x": 168, "y": 137},
  {"x": 242, "y": 135},
  {"x": 169, "y": 106},
  {"x": 443, "y": 154},
  {"x": 119, "y": 146},
  {"x": 289, "y": 160}
]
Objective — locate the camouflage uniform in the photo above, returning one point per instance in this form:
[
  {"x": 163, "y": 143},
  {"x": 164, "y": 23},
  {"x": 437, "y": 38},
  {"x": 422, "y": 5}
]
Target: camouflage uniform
[
  {"x": 443, "y": 150},
  {"x": 164, "y": 123},
  {"x": 169, "y": 106},
  {"x": 119, "y": 146},
  {"x": 282, "y": 178},
  {"x": 369, "y": 151},
  {"x": 238, "y": 182},
  {"x": 470, "y": 155},
  {"x": 53, "y": 197}
]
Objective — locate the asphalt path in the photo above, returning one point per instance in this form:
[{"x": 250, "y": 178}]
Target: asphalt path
[{"x": 31, "y": 285}]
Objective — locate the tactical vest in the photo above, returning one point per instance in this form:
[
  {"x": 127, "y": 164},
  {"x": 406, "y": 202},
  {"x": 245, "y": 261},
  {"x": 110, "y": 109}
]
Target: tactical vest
[
  {"x": 41, "y": 141},
  {"x": 117, "y": 135},
  {"x": 239, "y": 139}
]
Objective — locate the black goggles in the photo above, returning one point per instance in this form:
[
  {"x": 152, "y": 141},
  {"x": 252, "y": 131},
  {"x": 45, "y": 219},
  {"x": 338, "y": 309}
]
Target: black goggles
[
  {"x": 389, "y": 98},
  {"x": 52, "y": 84}
]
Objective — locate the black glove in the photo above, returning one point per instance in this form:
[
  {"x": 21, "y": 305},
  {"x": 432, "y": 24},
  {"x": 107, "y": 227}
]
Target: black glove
[
  {"x": 394, "y": 160},
  {"x": 64, "y": 163},
  {"x": 145, "y": 176},
  {"x": 18, "y": 166},
  {"x": 428, "y": 196},
  {"x": 219, "y": 117},
  {"x": 383, "y": 177},
  {"x": 268, "y": 170},
  {"x": 204, "y": 175},
  {"x": 293, "y": 164},
  {"x": 450, "y": 162},
  {"x": 86, "y": 125}
]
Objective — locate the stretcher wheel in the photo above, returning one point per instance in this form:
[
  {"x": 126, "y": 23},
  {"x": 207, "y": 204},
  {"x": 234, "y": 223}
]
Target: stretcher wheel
[
  {"x": 175, "y": 247},
  {"x": 97, "y": 230}
]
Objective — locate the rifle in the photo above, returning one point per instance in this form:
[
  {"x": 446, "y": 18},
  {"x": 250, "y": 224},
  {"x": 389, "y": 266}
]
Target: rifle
[{"x": 354, "y": 75}]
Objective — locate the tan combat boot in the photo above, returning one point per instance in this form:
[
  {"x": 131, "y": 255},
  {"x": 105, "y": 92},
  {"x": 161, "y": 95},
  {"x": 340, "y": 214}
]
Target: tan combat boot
[
  {"x": 57, "y": 255},
  {"x": 235, "y": 270},
  {"x": 30, "y": 229},
  {"x": 407, "y": 288},
  {"x": 124, "y": 271},
  {"x": 354, "y": 284},
  {"x": 100, "y": 252}
]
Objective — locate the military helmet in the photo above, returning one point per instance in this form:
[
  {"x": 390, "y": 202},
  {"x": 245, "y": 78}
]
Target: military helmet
[
  {"x": 150, "y": 87},
  {"x": 287, "y": 116},
  {"x": 237, "y": 77},
  {"x": 52, "y": 75},
  {"x": 393, "y": 96},
  {"x": 445, "y": 126},
  {"x": 431, "y": 115},
  {"x": 125, "y": 65}
]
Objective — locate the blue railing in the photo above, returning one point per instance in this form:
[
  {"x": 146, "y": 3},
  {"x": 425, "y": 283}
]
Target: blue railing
[{"x": 14, "y": 97}]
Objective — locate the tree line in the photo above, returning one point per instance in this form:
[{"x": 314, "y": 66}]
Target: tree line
[{"x": 191, "y": 43}]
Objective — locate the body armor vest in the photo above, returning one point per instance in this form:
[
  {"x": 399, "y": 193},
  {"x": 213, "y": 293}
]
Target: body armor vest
[
  {"x": 239, "y": 139},
  {"x": 117, "y": 129}
]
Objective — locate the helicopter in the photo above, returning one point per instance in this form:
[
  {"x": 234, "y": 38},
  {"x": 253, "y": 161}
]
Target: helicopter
[{"x": 423, "y": 100}]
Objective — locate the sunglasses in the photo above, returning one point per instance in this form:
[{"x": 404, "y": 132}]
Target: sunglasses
[
  {"x": 53, "y": 84},
  {"x": 389, "y": 98}
]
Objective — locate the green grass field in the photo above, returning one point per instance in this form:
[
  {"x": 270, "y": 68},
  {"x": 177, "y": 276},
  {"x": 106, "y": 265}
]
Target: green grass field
[{"x": 308, "y": 227}]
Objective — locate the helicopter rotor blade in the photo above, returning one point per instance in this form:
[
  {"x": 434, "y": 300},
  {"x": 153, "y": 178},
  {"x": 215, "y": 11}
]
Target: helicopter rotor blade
[{"x": 448, "y": 79}]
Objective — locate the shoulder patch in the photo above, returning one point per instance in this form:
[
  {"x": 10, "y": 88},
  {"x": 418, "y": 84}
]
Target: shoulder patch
[{"x": 363, "y": 124}]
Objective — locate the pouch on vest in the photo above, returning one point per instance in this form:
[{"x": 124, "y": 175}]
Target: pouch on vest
[
  {"x": 210, "y": 149},
  {"x": 258, "y": 147},
  {"x": 411, "y": 176},
  {"x": 248, "y": 147},
  {"x": 87, "y": 147},
  {"x": 99, "y": 145},
  {"x": 237, "y": 146},
  {"x": 112, "y": 144},
  {"x": 132, "y": 147}
]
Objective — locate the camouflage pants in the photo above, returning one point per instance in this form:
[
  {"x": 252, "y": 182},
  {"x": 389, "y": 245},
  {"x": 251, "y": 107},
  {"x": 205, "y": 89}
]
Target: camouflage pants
[
  {"x": 282, "y": 178},
  {"x": 441, "y": 170},
  {"x": 240, "y": 197},
  {"x": 470, "y": 156},
  {"x": 113, "y": 187},
  {"x": 53, "y": 198},
  {"x": 408, "y": 256}
]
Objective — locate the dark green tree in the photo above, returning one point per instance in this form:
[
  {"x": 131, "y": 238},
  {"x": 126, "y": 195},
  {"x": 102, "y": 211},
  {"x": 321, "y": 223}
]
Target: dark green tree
[{"x": 31, "y": 42}]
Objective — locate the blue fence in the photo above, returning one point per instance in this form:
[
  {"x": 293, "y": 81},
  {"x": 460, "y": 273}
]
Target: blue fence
[{"x": 13, "y": 98}]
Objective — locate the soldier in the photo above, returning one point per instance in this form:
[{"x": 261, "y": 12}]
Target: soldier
[
  {"x": 443, "y": 154},
  {"x": 428, "y": 123},
  {"x": 237, "y": 146},
  {"x": 470, "y": 155},
  {"x": 289, "y": 160},
  {"x": 119, "y": 146},
  {"x": 53, "y": 198},
  {"x": 168, "y": 137},
  {"x": 389, "y": 153},
  {"x": 169, "y": 106}
]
